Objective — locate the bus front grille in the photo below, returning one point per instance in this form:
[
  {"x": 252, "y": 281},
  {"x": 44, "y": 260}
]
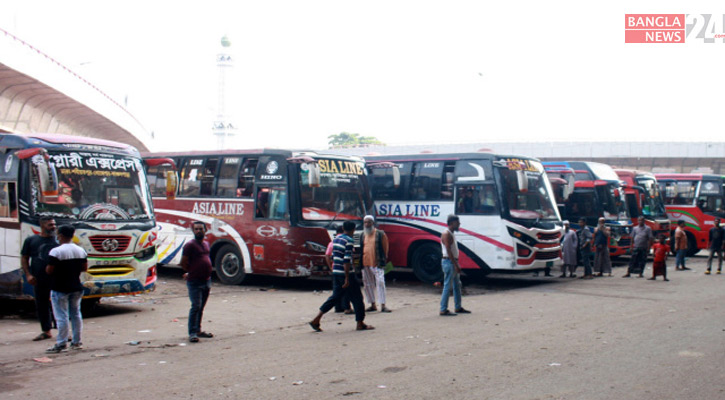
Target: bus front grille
[
  {"x": 547, "y": 255},
  {"x": 110, "y": 270}
]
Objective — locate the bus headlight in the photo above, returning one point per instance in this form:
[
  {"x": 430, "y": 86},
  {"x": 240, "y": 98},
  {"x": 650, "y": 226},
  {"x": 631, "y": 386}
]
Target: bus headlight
[
  {"x": 316, "y": 247},
  {"x": 145, "y": 254}
]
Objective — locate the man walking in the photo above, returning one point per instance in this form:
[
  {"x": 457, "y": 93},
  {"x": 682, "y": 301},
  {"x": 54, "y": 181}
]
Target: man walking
[
  {"x": 344, "y": 280},
  {"x": 569, "y": 244},
  {"x": 585, "y": 246},
  {"x": 374, "y": 248},
  {"x": 716, "y": 246},
  {"x": 602, "y": 262},
  {"x": 642, "y": 239},
  {"x": 680, "y": 246},
  {"x": 33, "y": 261},
  {"x": 196, "y": 263},
  {"x": 65, "y": 264},
  {"x": 451, "y": 268}
]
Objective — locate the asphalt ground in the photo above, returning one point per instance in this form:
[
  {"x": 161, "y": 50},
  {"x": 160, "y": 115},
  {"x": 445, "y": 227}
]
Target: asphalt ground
[{"x": 527, "y": 338}]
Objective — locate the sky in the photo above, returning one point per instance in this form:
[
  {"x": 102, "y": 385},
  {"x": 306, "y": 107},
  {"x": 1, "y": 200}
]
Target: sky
[{"x": 406, "y": 72}]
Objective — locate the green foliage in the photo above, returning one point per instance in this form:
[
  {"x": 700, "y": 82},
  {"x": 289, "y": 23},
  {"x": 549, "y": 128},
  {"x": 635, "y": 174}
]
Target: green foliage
[{"x": 345, "y": 139}]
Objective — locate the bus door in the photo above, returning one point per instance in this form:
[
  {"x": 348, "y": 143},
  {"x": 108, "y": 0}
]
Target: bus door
[
  {"x": 477, "y": 202},
  {"x": 270, "y": 239}
]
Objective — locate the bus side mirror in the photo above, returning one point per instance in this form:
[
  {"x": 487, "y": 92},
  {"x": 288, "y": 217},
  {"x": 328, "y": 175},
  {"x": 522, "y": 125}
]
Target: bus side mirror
[
  {"x": 171, "y": 185},
  {"x": 45, "y": 171},
  {"x": 313, "y": 175},
  {"x": 396, "y": 176},
  {"x": 569, "y": 188},
  {"x": 522, "y": 180}
]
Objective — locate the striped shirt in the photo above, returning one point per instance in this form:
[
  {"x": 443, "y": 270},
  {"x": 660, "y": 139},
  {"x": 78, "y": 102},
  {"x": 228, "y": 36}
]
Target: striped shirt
[{"x": 342, "y": 248}]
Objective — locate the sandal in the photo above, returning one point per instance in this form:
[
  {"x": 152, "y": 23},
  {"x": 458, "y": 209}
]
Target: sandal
[
  {"x": 42, "y": 336},
  {"x": 205, "y": 335},
  {"x": 315, "y": 326},
  {"x": 446, "y": 313},
  {"x": 365, "y": 328}
]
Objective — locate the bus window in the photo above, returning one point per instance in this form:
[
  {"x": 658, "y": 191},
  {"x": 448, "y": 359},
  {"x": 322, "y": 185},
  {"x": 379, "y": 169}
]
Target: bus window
[
  {"x": 680, "y": 192},
  {"x": 476, "y": 200},
  {"x": 710, "y": 199},
  {"x": 382, "y": 183},
  {"x": 157, "y": 180},
  {"x": 227, "y": 184},
  {"x": 271, "y": 203},
  {"x": 8, "y": 201},
  {"x": 426, "y": 183},
  {"x": 245, "y": 186},
  {"x": 208, "y": 176},
  {"x": 191, "y": 177}
]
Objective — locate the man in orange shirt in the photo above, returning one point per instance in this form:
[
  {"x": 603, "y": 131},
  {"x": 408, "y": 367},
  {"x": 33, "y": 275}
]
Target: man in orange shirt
[
  {"x": 374, "y": 246},
  {"x": 680, "y": 246}
]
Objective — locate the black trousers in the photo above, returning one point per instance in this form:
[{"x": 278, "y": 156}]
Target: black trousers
[
  {"x": 42, "y": 304},
  {"x": 352, "y": 291},
  {"x": 637, "y": 261}
]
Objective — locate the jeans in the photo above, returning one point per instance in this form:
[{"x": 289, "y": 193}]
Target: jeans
[
  {"x": 41, "y": 292},
  {"x": 719, "y": 259},
  {"x": 352, "y": 291},
  {"x": 198, "y": 294},
  {"x": 587, "y": 256},
  {"x": 67, "y": 308},
  {"x": 680, "y": 258},
  {"x": 450, "y": 278}
]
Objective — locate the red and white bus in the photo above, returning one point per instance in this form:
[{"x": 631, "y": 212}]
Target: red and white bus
[
  {"x": 98, "y": 186},
  {"x": 509, "y": 220},
  {"x": 269, "y": 212},
  {"x": 696, "y": 199},
  {"x": 644, "y": 198}
]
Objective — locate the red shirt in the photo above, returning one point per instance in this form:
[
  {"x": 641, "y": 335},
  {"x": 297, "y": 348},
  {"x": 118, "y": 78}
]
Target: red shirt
[
  {"x": 660, "y": 251},
  {"x": 199, "y": 261}
]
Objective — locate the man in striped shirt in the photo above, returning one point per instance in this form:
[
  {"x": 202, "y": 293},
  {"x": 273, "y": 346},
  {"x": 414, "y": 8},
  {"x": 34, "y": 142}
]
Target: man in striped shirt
[{"x": 344, "y": 280}]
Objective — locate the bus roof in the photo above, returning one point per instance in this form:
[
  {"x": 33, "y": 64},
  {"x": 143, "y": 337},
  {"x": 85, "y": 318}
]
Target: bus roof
[
  {"x": 688, "y": 177},
  {"x": 444, "y": 157},
  {"x": 282, "y": 152},
  {"x": 54, "y": 141}
]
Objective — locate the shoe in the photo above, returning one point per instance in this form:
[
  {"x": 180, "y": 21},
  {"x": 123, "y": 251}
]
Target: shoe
[
  {"x": 685, "y": 269},
  {"x": 205, "y": 335},
  {"x": 626, "y": 276},
  {"x": 572, "y": 276},
  {"x": 462, "y": 311},
  {"x": 56, "y": 349},
  {"x": 718, "y": 272},
  {"x": 42, "y": 336},
  {"x": 652, "y": 279},
  {"x": 707, "y": 272},
  {"x": 667, "y": 280},
  {"x": 587, "y": 277},
  {"x": 562, "y": 276},
  {"x": 385, "y": 309},
  {"x": 371, "y": 308},
  {"x": 193, "y": 339},
  {"x": 446, "y": 313},
  {"x": 76, "y": 346}
]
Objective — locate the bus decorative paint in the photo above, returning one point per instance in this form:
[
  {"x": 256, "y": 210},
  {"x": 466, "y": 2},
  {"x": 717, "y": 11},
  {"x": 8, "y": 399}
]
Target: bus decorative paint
[
  {"x": 644, "y": 198},
  {"x": 270, "y": 212},
  {"x": 598, "y": 192},
  {"x": 696, "y": 199},
  {"x": 509, "y": 220},
  {"x": 97, "y": 186}
]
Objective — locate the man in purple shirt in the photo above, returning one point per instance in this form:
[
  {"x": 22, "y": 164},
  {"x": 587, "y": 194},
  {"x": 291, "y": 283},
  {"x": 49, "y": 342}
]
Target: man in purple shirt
[{"x": 196, "y": 263}]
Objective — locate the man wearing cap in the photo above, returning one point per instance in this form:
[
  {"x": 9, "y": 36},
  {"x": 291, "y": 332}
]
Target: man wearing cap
[
  {"x": 569, "y": 244},
  {"x": 374, "y": 249}
]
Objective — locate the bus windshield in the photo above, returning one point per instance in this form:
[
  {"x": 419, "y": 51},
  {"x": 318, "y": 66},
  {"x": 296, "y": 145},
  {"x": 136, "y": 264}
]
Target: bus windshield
[
  {"x": 612, "y": 202},
  {"x": 653, "y": 205},
  {"x": 534, "y": 202},
  {"x": 96, "y": 186},
  {"x": 341, "y": 195}
]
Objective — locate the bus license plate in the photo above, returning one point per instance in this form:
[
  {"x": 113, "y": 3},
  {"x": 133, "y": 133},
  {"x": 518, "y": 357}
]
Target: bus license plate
[{"x": 549, "y": 264}]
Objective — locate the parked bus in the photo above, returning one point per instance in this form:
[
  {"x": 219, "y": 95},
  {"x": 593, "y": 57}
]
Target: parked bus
[
  {"x": 644, "y": 198},
  {"x": 269, "y": 212},
  {"x": 696, "y": 199},
  {"x": 509, "y": 221},
  {"x": 97, "y": 186},
  {"x": 597, "y": 193}
]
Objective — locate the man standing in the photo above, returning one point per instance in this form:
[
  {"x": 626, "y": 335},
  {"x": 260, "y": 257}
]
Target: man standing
[
  {"x": 344, "y": 280},
  {"x": 374, "y": 248},
  {"x": 680, "y": 246},
  {"x": 34, "y": 260},
  {"x": 196, "y": 264},
  {"x": 451, "y": 268},
  {"x": 65, "y": 264},
  {"x": 569, "y": 245},
  {"x": 602, "y": 262},
  {"x": 642, "y": 239},
  {"x": 716, "y": 246},
  {"x": 585, "y": 246}
]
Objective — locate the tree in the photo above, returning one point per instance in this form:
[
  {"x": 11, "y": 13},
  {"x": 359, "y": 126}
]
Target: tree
[{"x": 345, "y": 139}]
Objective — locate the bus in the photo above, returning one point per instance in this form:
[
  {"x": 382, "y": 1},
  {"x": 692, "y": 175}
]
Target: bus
[
  {"x": 97, "y": 186},
  {"x": 269, "y": 212},
  {"x": 509, "y": 221},
  {"x": 597, "y": 193},
  {"x": 644, "y": 198},
  {"x": 696, "y": 199}
]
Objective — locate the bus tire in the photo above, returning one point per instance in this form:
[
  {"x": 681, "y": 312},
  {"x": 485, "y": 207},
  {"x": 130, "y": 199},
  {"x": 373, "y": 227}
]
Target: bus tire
[
  {"x": 229, "y": 265},
  {"x": 426, "y": 263},
  {"x": 691, "y": 245}
]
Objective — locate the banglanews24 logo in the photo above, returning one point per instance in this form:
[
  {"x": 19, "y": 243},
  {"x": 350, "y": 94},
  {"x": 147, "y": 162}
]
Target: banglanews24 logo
[{"x": 674, "y": 28}]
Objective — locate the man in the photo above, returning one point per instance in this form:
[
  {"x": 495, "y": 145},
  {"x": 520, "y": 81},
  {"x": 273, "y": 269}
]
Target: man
[
  {"x": 374, "y": 248},
  {"x": 65, "y": 265},
  {"x": 344, "y": 305},
  {"x": 451, "y": 268},
  {"x": 569, "y": 244},
  {"x": 344, "y": 280},
  {"x": 680, "y": 246},
  {"x": 196, "y": 263},
  {"x": 602, "y": 262},
  {"x": 716, "y": 246},
  {"x": 642, "y": 240},
  {"x": 585, "y": 246},
  {"x": 33, "y": 261}
]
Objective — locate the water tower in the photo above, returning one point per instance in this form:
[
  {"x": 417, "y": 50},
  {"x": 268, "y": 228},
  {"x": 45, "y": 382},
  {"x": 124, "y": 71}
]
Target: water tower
[{"x": 223, "y": 127}]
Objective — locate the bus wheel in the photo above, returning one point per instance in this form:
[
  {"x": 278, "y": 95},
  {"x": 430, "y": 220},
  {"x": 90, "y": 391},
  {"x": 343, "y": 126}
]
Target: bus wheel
[
  {"x": 229, "y": 266},
  {"x": 426, "y": 263},
  {"x": 691, "y": 245}
]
